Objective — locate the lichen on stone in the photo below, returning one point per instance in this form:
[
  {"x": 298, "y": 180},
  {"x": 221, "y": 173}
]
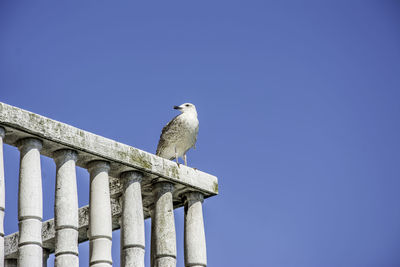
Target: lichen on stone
[
  {"x": 215, "y": 187},
  {"x": 174, "y": 172}
]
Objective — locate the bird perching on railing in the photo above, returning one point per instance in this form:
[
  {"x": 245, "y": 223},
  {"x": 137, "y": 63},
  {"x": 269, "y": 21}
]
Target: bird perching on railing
[{"x": 180, "y": 134}]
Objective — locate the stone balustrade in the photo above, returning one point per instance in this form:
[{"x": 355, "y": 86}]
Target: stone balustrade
[{"x": 127, "y": 186}]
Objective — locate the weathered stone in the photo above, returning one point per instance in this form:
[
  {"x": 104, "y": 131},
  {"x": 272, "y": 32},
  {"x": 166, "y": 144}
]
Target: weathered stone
[
  {"x": 30, "y": 204},
  {"x": 162, "y": 186},
  {"x": 132, "y": 221},
  {"x": 55, "y": 135},
  {"x": 48, "y": 231},
  {"x": 194, "y": 236},
  {"x": 163, "y": 236},
  {"x": 100, "y": 222},
  {"x": 66, "y": 209}
]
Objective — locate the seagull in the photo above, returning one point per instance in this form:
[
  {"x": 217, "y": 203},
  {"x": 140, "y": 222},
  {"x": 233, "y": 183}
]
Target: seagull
[{"x": 180, "y": 134}]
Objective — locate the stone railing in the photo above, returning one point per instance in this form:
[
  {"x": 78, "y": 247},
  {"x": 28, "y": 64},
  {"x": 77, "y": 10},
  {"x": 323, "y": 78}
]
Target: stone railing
[{"x": 127, "y": 185}]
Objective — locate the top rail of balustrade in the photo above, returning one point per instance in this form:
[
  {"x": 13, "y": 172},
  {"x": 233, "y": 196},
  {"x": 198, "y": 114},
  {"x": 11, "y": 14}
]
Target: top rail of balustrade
[{"x": 55, "y": 135}]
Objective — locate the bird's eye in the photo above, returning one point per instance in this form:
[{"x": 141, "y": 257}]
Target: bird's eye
[{"x": 187, "y": 105}]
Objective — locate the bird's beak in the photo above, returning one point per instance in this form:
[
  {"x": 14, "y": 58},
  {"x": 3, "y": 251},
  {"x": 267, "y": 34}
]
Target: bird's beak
[{"x": 177, "y": 107}]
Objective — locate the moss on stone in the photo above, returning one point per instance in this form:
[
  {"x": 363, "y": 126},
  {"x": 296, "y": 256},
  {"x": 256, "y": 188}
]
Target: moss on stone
[
  {"x": 136, "y": 157},
  {"x": 215, "y": 187},
  {"x": 174, "y": 172},
  {"x": 142, "y": 161}
]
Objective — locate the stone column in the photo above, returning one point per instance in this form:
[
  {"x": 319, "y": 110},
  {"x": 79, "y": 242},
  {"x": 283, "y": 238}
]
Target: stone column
[
  {"x": 2, "y": 196},
  {"x": 195, "y": 239},
  {"x": 30, "y": 204},
  {"x": 132, "y": 221},
  {"x": 100, "y": 225},
  {"x": 66, "y": 210},
  {"x": 163, "y": 227}
]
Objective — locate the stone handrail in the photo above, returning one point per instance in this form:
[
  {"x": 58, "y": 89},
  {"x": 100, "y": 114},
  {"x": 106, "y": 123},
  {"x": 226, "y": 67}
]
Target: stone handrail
[{"x": 127, "y": 185}]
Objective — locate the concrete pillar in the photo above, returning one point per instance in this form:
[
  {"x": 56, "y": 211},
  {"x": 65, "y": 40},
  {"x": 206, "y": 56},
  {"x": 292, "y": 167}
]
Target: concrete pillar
[
  {"x": 132, "y": 221},
  {"x": 30, "y": 204},
  {"x": 66, "y": 210},
  {"x": 100, "y": 224},
  {"x": 195, "y": 239},
  {"x": 2, "y": 196},
  {"x": 163, "y": 226}
]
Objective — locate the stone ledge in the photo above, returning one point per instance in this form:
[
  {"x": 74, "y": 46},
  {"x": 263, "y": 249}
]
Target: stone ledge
[{"x": 55, "y": 135}]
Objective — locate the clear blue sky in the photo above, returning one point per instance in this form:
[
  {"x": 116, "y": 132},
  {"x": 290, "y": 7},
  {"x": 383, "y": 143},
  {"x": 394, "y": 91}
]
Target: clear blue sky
[{"x": 298, "y": 106}]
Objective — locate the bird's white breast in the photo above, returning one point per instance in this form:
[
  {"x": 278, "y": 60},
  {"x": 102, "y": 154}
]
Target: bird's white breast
[
  {"x": 186, "y": 138},
  {"x": 189, "y": 126}
]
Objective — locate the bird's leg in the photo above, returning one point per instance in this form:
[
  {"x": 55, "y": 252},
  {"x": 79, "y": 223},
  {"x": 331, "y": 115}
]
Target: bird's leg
[
  {"x": 176, "y": 157},
  {"x": 185, "y": 159}
]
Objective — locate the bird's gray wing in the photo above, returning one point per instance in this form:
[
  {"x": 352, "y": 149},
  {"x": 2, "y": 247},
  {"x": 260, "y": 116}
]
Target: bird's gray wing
[{"x": 168, "y": 132}]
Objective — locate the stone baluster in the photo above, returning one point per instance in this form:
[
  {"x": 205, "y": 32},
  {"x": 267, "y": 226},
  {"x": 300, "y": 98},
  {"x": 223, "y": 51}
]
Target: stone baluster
[
  {"x": 100, "y": 224},
  {"x": 2, "y": 196},
  {"x": 195, "y": 240},
  {"x": 66, "y": 210},
  {"x": 30, "y": 204},
  {"x": 163, "y": 253},
  {"x": 132, "y": 221}
]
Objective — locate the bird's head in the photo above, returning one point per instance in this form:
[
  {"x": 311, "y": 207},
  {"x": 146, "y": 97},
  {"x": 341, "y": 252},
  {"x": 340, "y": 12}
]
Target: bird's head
[{"x": 186, "y": 108}]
